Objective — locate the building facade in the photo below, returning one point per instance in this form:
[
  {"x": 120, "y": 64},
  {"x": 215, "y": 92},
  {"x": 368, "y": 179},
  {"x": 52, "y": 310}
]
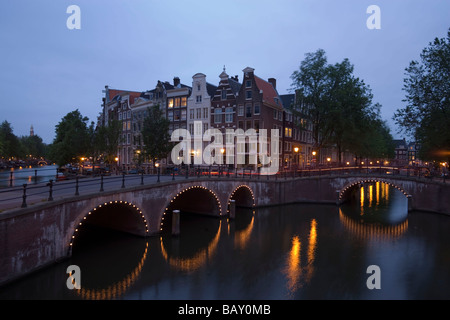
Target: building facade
[
  {"x": 117, "y": 105},
  {"x": 224, "y": 113}
]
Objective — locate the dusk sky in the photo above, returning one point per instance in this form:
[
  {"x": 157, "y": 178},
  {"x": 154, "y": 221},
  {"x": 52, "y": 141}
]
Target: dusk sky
[{"x": 48, "y": 70}]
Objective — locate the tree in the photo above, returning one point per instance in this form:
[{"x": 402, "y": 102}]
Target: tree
[
  {"x": 107, "y": 139},
  {"x": 337, "y": 103},
  {"x": 72, "y": 139},
  {"x": 155, "y": 135},
  {"x": 349, "y": 102},
  {"x": 426, "y": 116},
  {"x": 34, "y": 146},
  {"x": 11, "y": 146},
  {"x": 311, "y": 85}
]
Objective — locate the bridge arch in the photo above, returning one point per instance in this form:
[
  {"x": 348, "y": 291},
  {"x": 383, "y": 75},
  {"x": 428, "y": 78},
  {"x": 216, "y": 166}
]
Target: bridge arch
[
  {"x": 344, "y": 191},
  {"x": 244, "y": 197},
  {"x": 186, "y": 200},
  {"x": 116, "y": 219}
]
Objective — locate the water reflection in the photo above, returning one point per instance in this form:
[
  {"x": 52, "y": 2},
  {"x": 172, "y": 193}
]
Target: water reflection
[
  {"x": 379, "y": 216},
  {"x": 298, "y": 275},
  {"x": 110, "y": 262},
  {"x": 29, "y": 175},
  {"x": 244, "y": 227},
  {"x": 185, "y": 254},
  {"x": 301, "y": 251}
]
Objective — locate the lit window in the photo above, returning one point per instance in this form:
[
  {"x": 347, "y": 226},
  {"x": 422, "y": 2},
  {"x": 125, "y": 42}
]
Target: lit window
[{"x": 170, "y": 103}]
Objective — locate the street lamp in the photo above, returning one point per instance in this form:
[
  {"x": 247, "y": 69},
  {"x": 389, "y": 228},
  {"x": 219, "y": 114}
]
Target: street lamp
[
  {"x": 314, "y": 157},
  {"x": 297, "y": 160}
]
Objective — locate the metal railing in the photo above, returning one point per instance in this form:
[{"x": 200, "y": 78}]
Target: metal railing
[{"x": 22, "y": 196}]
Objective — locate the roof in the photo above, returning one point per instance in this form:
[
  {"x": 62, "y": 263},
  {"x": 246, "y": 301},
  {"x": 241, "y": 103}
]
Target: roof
[
  {"x": 270, "y": 95},
  {"x": 234, "y": 85},
  {"x": 115, "y": 94},
  {"x": 211, "y": 89},
  {"x": 288, "y": 100}
]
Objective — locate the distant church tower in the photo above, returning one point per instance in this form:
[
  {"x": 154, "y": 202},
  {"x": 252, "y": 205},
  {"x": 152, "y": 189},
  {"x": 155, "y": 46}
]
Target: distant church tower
[{"x": 31, "y": 131}]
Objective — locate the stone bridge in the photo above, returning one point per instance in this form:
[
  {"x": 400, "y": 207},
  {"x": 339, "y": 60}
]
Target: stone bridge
[{"x": 44, "y": 233}]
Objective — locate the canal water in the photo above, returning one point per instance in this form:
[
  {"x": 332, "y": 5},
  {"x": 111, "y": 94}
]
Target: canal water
[
  {"x": 16, "y": 177},
  {"x": 300, "y": 251}
]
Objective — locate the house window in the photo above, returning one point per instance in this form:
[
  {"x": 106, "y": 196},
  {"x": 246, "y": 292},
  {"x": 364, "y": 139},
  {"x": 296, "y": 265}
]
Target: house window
[
  {"x": 248, "y": 124},
  {"x": 120, "y": 115},
  {"x": 184, "y": 101},
  {"x": 199, "y": 113},
  {"x": 228, "y": 114},
  {"x": 275, "y": 113},
  {"x": 205, "y": 113},
  {"x": 177, "y": 115},
  {"x": 248, "y": 94},
  {"x": 191, "y": 114},
  {"x": 217, "y": 115},
  {"x": 241, "y": 124},
  {"x": 191, "y": 128},
  {"x": 248, "y": 111},
  {"x": 240, "y": 110},
  {"x": 224, "y": 94},
  {"x": 170, "y": 103},
  {"x": 177, "y": 102},
  {"x": 257, "y": 109},
  {"x": 248, "y": 83},
  {"x": 199, "y": 99},
  {"x": 170, "y": 115},
  {"x": 205, "y": 127},
  {"x": 183, "y": 114}
]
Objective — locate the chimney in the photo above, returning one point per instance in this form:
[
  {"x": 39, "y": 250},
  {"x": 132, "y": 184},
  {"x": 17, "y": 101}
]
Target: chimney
[
  {"x": 273, "y": 81},
  {"x": 176, "y": 81}
]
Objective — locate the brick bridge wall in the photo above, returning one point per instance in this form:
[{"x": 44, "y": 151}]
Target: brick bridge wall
[{"x": 39, "y": 235}]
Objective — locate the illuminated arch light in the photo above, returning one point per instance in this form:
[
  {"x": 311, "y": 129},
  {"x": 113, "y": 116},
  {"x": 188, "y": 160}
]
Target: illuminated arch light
[
  {"x": 183, "y": 191},
  {"x": 105, "y": 204},
  {"x": 234, "y": 191},
  {"x": 341, "y": 194}
]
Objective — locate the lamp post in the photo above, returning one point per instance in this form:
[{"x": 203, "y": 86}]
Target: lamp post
[
  {"x": 296, "y": 150},
  {"x": 157, "y": 168},
  {"x": 314, "y": 157}
]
